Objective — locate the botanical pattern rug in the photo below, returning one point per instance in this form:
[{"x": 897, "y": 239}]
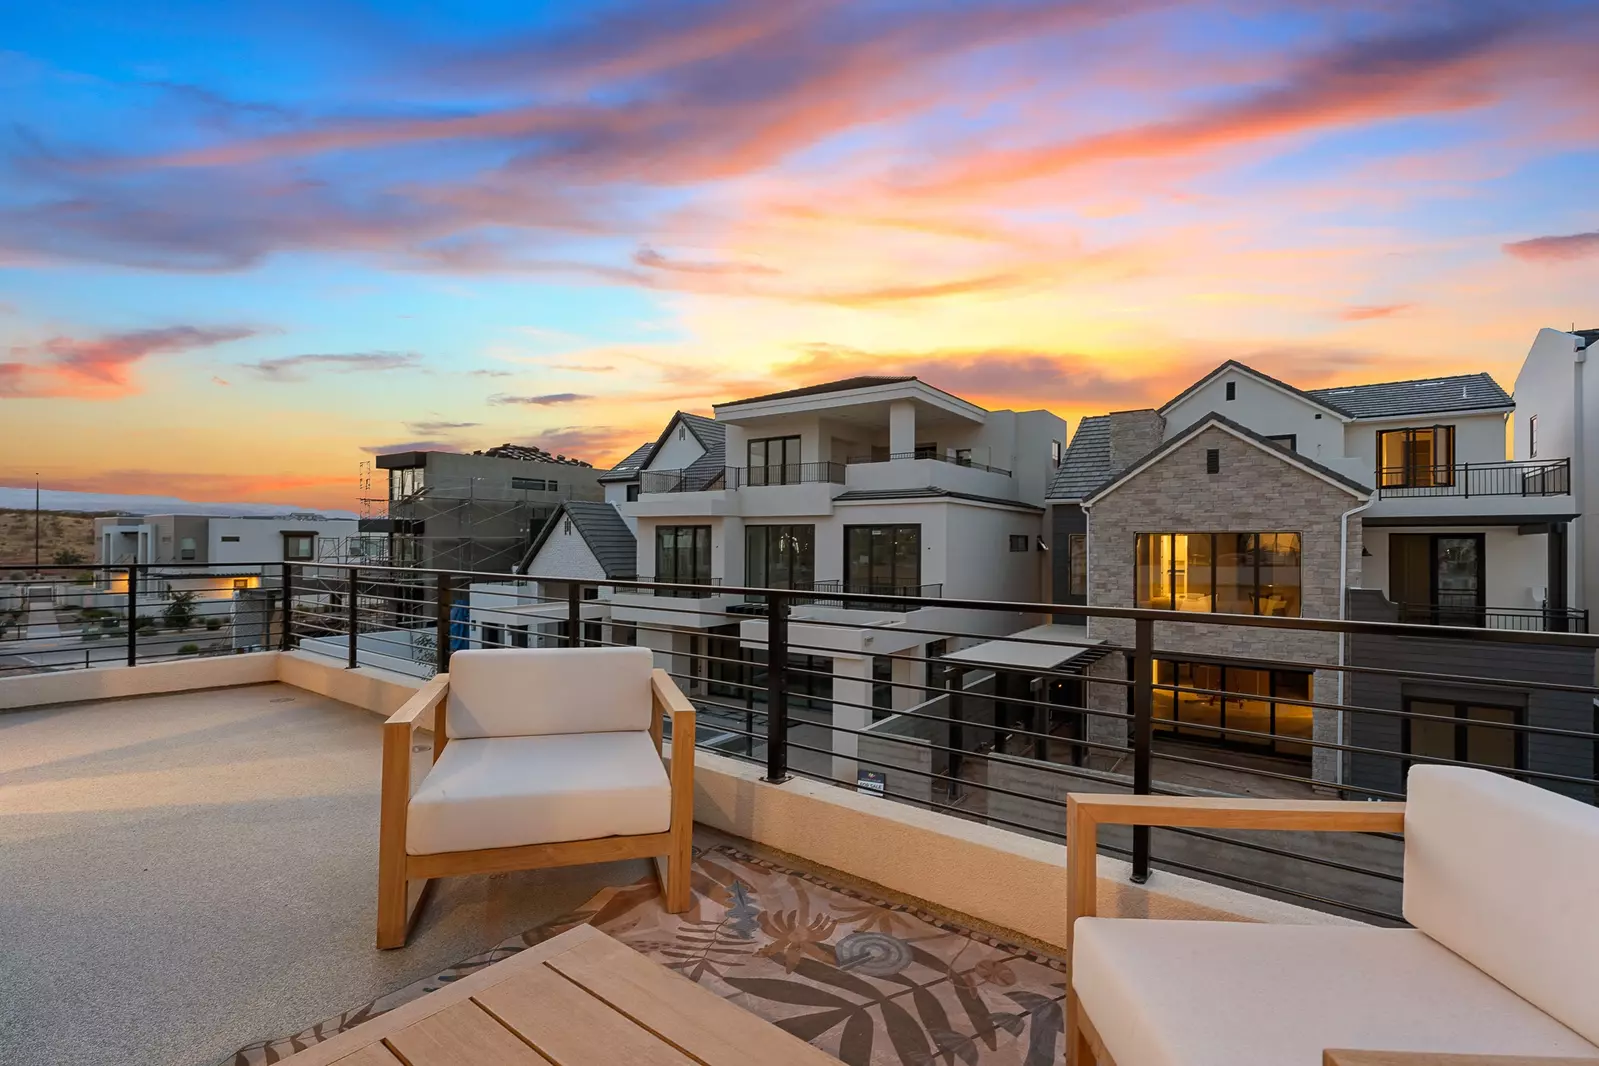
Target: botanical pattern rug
[{"x": 869, "y": 982}]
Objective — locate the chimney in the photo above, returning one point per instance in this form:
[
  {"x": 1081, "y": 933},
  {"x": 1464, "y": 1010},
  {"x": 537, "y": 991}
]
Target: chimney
[{"x": 1133, "y": 435}]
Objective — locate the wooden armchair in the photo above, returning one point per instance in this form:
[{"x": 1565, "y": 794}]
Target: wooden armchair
[
  {"x": 545, "y": 757},
  {"x": 1503, "y": 958}
]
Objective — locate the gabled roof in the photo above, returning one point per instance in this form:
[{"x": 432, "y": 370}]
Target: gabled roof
[
  {"x": 1234, "y": 366},
  {"x": 1266, "y": 444},
  {"x": 842, "y": 385},
  {"x": 709, "y": 468},
  {"x": 627, "y": 469},
  {"x": 1086, "y": 463},
  {"x": 604, "y": 531},
  {"x": 1391, "y": 399}
]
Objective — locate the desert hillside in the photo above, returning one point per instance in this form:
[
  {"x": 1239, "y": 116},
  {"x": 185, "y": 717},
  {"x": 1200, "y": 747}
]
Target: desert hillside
[{"x": 60, "y": 531}]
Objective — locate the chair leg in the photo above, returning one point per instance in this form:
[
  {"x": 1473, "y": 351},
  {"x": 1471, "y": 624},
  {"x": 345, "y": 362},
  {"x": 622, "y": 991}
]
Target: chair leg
[
  {"x": 1079, "y": 1052},
  {"x": 394, "y": 919},
  {"x": 675, "y": 885}
]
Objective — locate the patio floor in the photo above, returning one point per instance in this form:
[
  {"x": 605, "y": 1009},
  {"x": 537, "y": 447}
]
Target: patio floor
[{"x": 186, "y": 874}]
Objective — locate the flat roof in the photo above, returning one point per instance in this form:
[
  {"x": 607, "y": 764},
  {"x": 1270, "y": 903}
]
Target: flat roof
[{"x": 1039, "y": 648}]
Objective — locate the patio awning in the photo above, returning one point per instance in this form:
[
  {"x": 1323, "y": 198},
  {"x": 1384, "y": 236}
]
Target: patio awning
[{"x": 1046, "y": 647}]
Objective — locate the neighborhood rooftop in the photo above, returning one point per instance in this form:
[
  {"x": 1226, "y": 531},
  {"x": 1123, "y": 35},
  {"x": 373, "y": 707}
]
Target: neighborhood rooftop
[
  {"x": 842, "y": 385},
  {"x": 1389, "y": 399}
]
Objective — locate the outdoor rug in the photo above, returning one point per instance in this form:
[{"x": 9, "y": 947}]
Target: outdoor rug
[{"x": 869, "y": 982}]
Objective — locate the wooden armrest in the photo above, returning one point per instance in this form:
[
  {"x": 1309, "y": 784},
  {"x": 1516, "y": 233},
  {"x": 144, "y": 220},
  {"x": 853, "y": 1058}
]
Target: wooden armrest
[
  {"x": 427, "y": 697},
  {"x": 666, "y": 698},
  {"x": 1086, "y": 812}
]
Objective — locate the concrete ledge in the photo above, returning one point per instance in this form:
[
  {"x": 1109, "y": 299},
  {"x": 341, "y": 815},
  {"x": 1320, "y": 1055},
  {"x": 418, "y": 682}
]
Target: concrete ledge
[
  {"x": 118, "y": 682},
  {"x": 379, "y": 691}
]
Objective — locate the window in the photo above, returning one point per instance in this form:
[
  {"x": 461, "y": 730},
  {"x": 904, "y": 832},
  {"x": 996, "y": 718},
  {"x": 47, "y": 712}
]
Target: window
[
  {"x": 241, "y": 583},
  {"x": 780, "y": 557},
  {"x": 531, "y": 484},
  {"x": 1077, "y": 564},
  {"x": 519, "y": 637},
  {"x": 1210, "y": 697},
  {"x": 493, "y": 635},
  {"x": 553, "y": 485},
  {"x": 230, "y": 540},
  {"x": 299, "y": 547},
  {"x": 682, "y": 432},
  {"x": 774, "y": 461},
  {"x": 1018, "y": 542},
  {"x": 683, "y": 554},
  {"x": 883, "y": 559},
  {"x": 1235, "y": 573},
  {"x": 963, "y": 456},
  {"x": 1286, "y": 440},
  {"x": 1232, "y": 390},
  {"x": 882, "y": 687},
  {"x": 1054, "y": 453},
  {"x": 1416, "y": 458},
  {"x": 186, "y": 549},
  {"x": 926, "y": 451},
  {"x": 1532, "y": 437},
  {"x": 566, "y": 529},
  {"x": 405, "y": 482},
  {"x": 1479, "y": 736},
  {"x": 632, "y": 493}
]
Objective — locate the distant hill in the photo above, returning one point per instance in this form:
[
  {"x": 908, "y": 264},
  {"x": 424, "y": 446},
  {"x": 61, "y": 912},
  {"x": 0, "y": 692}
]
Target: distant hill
[
  {"x": 58, "y": 531},
  {"x": 21, "y": 498}
]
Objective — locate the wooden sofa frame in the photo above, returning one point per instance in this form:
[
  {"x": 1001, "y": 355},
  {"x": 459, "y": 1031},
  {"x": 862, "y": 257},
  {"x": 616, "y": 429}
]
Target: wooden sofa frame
[
  {"x": 1086, "y": 812},
  {"x": 403, "y": 879}
]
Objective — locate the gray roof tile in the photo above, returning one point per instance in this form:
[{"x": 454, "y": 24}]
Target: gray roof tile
[
  {"x": 604, "y": 531},
  {"x": 628, "y": 468},
  {"x": 1086, "y": 463},
  {"x": 1390, "y": 399}
]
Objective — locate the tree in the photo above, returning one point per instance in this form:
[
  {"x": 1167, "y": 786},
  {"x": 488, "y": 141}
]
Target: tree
[
  {"x": 68, "y": 557},
  {"x": 179, "y": 614}
]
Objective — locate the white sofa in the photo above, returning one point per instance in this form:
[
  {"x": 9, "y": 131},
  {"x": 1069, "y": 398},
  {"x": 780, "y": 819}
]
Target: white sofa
[{"x": 1501, "y": 886}]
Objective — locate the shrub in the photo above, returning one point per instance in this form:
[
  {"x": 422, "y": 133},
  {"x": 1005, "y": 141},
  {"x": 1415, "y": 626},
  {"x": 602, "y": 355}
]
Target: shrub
[
  {"x": 144, "y": 622},
  {"x": 213, "y": 624},
  {"x": 96, "y": 612},
  {"x": 179, "y": 614},
  {"x": 83, "y": 577},
  {"x": 68, "y": 557},
  {"x": 189, "y": 649}
]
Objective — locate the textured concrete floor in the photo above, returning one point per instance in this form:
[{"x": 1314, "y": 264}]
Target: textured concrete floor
[{"x": 182, "y": 875}]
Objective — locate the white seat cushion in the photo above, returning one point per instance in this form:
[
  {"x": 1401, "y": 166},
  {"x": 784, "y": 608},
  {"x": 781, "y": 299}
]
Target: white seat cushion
[
  {"x": 1503, "y": 873},
  {"x": 504, "y": 792},
  {"x": 526, "y": 692},
  {"x": 1174, "y": 993}
]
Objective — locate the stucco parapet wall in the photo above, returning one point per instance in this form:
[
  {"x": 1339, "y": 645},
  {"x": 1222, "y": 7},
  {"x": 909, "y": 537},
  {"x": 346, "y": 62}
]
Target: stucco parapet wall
[
  {"x": 1012, "y": 881},
  {"x": 24, "y": 691}
]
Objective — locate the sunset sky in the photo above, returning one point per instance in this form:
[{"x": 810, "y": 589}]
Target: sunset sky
[{"x": 244, "y": 246}]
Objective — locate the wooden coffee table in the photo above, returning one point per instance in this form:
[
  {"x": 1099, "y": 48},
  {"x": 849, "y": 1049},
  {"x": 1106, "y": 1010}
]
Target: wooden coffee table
[{"x": 577, "y": 999}]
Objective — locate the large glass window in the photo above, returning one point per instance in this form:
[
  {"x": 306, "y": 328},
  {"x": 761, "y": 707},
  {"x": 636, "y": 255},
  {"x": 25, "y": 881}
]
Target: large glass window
[
  {"x": 683, "y": 554},
  {"x": 1210, "y": 697},
  {"x": 883, "y": 559},
  {"x": 774, "y": 461},
  {"x": 1477, "y": 734},
  {"x": 1236, "y": 573},
  {"x": 404, "y": 482},
  {"x": 780, "y": 557},
  {"x": 1077, "y": 564},
  {"x": 299, "y": 547},
  {"x": 1416, "y": 458}
]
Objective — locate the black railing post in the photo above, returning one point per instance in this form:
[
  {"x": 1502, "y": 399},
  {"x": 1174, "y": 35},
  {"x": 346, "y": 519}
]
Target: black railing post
[
  {"x": 441, "y": 624},
  {"x": 355, "y": 619},
  {"x": 133, "y": 615},
  {"x": 574, "y": 614},
  {"x": 776, "y": 688},
  {"x": 284, "y": 643},
  {"x": 1143, "y": 733},
  {"x": 1466, "y": 475}
]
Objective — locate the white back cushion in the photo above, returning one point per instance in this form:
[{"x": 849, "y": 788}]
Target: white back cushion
[
  {"x": 1505, "y": 875},
  {"x": 516, "y": 692}
]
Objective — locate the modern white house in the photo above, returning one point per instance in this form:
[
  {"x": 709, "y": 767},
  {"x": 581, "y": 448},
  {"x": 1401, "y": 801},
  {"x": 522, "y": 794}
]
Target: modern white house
[{"x": 1557, "y": 414}]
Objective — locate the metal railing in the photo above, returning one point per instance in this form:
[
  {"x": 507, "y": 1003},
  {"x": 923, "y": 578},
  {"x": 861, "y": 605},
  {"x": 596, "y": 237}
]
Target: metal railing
[
  {"x": 992, "y": 717},
  {"x": 1537, "y": 477},
  {"x": 927, "y": 453},
  {"x": 697, "y": 588},
  {"x": 1534, "y": 619},
  {"x": 737, "y": 477},
  {"x": 827, "y": 594}
]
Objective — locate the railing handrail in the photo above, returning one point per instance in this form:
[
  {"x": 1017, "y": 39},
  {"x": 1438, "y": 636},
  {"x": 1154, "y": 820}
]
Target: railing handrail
[
  {"x": 1506, "y": 477},
  {"x": 939, "y": 457}
]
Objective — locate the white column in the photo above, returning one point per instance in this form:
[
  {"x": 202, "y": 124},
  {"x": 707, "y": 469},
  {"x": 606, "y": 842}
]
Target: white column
[
  {"x": 737, "y": 453},
  {"x": 901, "y": 427},
  {"x": 909, "y": 672},
  {"x": 658, "y": 641},
  {"x": 852, "y": 684}
]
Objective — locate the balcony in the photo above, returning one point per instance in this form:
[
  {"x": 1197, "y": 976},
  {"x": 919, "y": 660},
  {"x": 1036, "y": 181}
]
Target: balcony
[
  {"x": 736, "y": 477},
  {"x": 219, "y": 813},
  {"x": 1526, "y": 619},
  {"x": 1551, "y": 477},
  {"x": 831, "y": 593},
  {"x": 930, "y": 454}
]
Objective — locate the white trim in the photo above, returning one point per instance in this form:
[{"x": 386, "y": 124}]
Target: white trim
[
  {"x": 1412, "y": 416},
  {"x": 1212, "y": 422},
  {"x": 1286, "y": 390}
]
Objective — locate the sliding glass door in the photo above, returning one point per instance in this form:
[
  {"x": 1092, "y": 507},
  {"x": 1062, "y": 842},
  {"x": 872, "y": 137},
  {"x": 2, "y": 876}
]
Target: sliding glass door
[
  {"x": 885, "y": 560},
  {"x": 780, "y": 557}
]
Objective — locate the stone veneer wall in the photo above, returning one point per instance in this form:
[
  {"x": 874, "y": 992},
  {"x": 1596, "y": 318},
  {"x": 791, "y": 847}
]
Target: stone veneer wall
[{"x": 1254, "y": 491}]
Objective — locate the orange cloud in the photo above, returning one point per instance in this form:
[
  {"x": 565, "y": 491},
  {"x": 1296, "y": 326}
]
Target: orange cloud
[
  {"x": 1363, "y": 312},
  {"x": 1556, "y": 249},
  {"x": 102, "y": 367}
]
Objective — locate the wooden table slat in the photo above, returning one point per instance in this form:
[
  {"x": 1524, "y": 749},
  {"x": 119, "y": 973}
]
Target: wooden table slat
[
  {"x": 461, "y": 1035},
  {"x": 715, "y": 1031},
  {"x": 570, "y": 1027},
  {"x": 371, "y": 1055}
]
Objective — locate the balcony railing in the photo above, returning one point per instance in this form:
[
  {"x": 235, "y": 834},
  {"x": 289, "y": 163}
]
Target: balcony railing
[
  {"x": 827, "y": 594},
  {"x": 685, "y": 589},
  {"x": 927, "y": 453},
  {"x": 735, "y": 477},
  {"x": 1551, "y": 477},
  {"x": 950, "y": 718},
  {"x": 1529, "y": 619}
]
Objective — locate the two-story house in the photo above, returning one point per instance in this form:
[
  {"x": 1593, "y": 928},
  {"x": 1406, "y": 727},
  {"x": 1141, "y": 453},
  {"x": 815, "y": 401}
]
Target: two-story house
[{"x": 1392, "y": 501}]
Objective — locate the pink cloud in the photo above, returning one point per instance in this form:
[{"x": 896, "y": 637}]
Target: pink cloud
[
  {"x": 102, "y": 366},
  {"x": 1556, "y": 249}
]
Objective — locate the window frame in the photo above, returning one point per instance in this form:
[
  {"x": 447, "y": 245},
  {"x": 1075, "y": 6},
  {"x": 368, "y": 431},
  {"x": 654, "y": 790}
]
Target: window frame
[
  {"x": 1439, "y": 473},
  {"x": 1532, "y": 437},
  {"x": 1020, "y": 542},
  {"x": 1204, "y": 734},
  {"x": 308, "y": 539},
  {"x": 787, "y": 442},
  {"x": 1215, "y": 567},
  {"x": 1077, "y": 576},
  {"x": 1462, "y": 727},
  {"x": 797, "y": 560},
  {"x": 1289, "y": 441},
  {"x": 894, "y": 531},
  {"x": 694, "y": 555}
]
